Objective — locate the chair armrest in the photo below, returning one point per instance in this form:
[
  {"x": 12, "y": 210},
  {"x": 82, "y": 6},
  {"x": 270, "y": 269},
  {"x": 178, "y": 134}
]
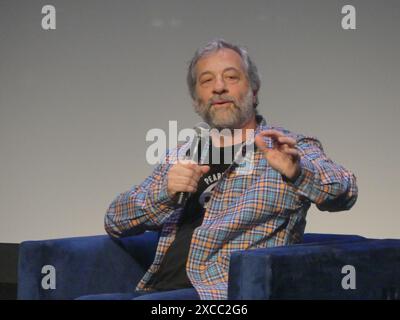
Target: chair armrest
[
  {"x": 314, "y": 271},
  {"x": 326, "y": 237},
  {"x": 83, "y": 265}
]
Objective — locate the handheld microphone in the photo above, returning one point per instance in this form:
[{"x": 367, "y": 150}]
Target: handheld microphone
[{"x": 195, "y": 156}]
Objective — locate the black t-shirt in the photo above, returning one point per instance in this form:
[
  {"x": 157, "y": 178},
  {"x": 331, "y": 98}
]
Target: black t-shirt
[{"x": 172, "y": 273}]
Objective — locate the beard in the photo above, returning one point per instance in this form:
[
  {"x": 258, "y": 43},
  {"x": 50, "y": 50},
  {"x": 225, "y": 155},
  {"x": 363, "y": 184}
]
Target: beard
[{"x": 231, "y": 117}]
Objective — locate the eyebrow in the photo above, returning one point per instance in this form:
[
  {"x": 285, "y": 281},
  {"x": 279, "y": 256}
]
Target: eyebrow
[{"x": 225, "y": 70}]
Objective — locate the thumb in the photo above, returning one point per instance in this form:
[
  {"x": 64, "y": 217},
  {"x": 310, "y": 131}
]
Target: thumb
[
  {"x": 261, "y": 144},
  {"x": 204, "y": 169}
]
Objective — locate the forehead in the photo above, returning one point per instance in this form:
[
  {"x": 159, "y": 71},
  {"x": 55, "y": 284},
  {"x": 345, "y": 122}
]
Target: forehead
[{"x": 219, "y": 61}]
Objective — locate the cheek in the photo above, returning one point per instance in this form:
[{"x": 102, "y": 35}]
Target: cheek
[
  {"x": 240, "y": 94},
  {"x": 199, "y": 101},
  {"x": 239, "y": 89},
  {"x": 202, "y": 95}
]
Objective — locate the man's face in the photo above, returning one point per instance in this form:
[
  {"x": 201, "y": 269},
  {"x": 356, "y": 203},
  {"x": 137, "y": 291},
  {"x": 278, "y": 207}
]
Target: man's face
[{"x": 224, "y": 98}]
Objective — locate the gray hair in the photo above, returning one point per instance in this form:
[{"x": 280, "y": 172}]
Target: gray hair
[{"x": 218, "y": 44}]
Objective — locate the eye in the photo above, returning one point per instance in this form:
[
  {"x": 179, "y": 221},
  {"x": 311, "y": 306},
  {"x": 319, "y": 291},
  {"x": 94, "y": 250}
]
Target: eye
[
  {"x": 232, "y": 77},
  {"x": 205, "y": 80}
]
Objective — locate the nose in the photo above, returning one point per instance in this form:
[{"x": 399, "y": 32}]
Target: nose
[{"x": 220, "y": 86}]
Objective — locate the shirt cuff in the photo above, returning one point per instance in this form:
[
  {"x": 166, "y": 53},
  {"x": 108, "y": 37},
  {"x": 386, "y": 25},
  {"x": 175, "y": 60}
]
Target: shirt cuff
[
  {"x": 162, "y": 196},
  {"x": 304, "y": 182}
]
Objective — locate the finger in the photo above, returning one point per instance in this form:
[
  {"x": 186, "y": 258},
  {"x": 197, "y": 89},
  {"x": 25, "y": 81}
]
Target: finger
[
  {"x": 204, "y": 169},
  {"x": 187, "y": 163},
  {"x": 293, "y": 152},
  {"x": 196, "y": 176},
  {"x": 287, "y": 140},
  {"x": 271, "y": 133},
  {"x": 260, "y": 143},
  {"x": 185, "y": 182},
  {"x": 192, "y": 166},
  {"x": 199, "y": 170},
  {"x": 181, "y": 174},
  {"x": 193, "y": 181},
  {"x": 185, "y": 187},
  {"x": 184, "y": 171}
]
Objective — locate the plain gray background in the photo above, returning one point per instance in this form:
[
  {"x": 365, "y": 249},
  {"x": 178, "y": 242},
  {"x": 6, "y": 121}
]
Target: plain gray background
[{"x": 76, "y": 102}]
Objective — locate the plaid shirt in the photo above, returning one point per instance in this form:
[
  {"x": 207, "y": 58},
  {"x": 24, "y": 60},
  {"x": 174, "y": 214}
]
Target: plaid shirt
[{"x": 255, "y": 209}]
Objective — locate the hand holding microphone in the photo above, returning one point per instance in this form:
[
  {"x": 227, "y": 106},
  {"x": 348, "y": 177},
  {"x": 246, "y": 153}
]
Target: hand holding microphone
[{"x": 183, "y": 178}]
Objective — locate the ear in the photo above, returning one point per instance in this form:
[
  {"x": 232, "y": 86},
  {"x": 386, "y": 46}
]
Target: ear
[{"x": 255, "y": 99}]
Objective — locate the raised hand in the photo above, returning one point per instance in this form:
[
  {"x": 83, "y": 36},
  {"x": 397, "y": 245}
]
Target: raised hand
[{"x": 283, "y": 156}]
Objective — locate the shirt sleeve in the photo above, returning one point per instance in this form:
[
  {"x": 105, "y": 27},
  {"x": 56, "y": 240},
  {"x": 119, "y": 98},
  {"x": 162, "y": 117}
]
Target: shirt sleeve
[
  {"x": 327, "y": 184},
  {"x": 143, "y": 207}
]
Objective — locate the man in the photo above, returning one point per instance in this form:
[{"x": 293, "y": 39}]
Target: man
[{"x": 263, "y": 208}]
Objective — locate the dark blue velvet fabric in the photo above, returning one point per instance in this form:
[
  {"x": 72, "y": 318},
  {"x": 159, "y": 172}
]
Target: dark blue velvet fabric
[
  {"x": 142, "y": 248},
  {"x": 101, "y": 265},
  {"x": 322, "y": 237},
  {"x": 180, "y": 294},
  {"x": 84, "y": 265},
  {"x": 307, "y": 271}
]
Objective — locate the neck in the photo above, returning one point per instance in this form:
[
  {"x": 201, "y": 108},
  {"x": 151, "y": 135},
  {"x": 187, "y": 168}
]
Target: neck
[{"x": 235, "y": 136}]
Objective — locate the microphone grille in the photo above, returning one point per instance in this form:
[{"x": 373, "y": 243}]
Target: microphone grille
[{"x": 201, "y": 128}]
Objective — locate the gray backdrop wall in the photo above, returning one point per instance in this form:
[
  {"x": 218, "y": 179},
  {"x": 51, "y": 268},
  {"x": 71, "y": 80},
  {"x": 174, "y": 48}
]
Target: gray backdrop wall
[{"x": 77, "y": 102}]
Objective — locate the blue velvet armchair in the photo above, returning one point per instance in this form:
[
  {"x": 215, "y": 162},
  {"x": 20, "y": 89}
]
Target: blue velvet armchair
[{"x": 314, "y": 269}]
